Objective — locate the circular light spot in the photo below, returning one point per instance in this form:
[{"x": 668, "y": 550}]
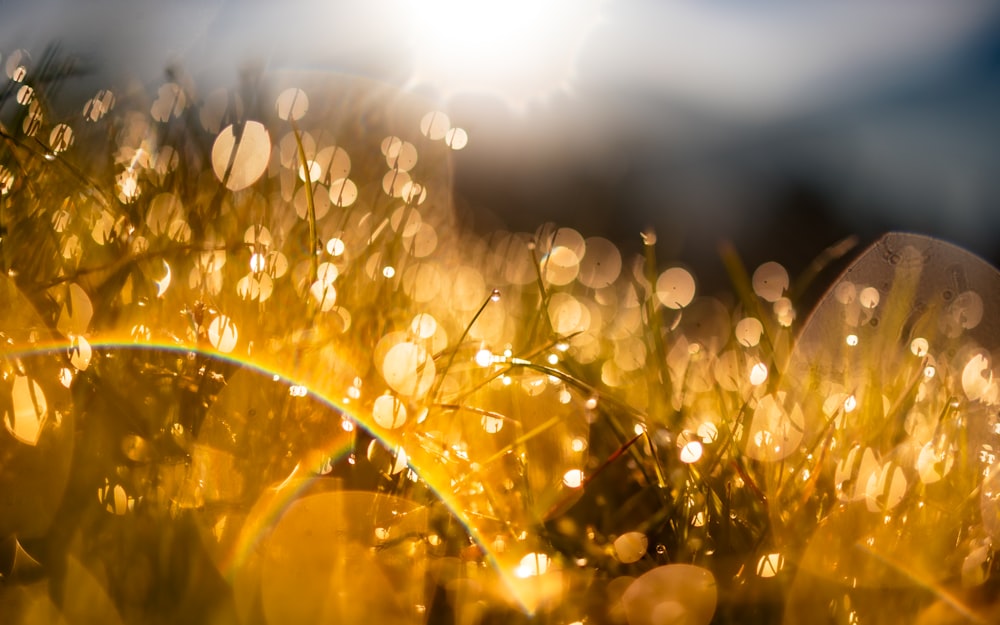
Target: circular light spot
[
  {"x": 401, "y": 155},
  {"x": 424, "y": 326},
  {"x": 292, "y": 104},
  {"x": 566, "y": 314},
  {"x": 691, "y": 452},
  {"x": 170, "y": 102},
  {"x": 967, "y": 310},
  {"x": 80, "y": 353},
  {"x": 708, "y": 432},
  {"x": 240, "y": 159},
  {"x": 484, "y": 358},
  {"x": 408, "y": 369},
  {"x": 406, "y": 221},
  {"x": 324, "y": 294},
  {"x": 869, "y": 297},
  {"x": 492, "y": 425},
  {"x": 388, "y": 412},
  {"x": 748, "y": 331},
  {"x": 25, "y": 95},
  {"x": 845, "y": 292},
  {"x": 343, "y": 192},
  {"x": 671, "y": 594},
  {"x": 919, "y": 347},
  {"x": 758, "y": 374},
  {"x": 326, "y": 273},
  {"x": 331, "y": 163},
  {"x": 573, "y": 478},
  {"x": 222, "y": 334},
  {"x": 561, "y": 266},
  {"x": 456, "y": 138},
  {"x": 977, "y": 378},
  {"x": 630, "y": 547},
  {"x": 61, "y": 138},
  {"x": 395, "y": 182},
  {"x": 675, "y": 288},
  {"x": 601, "y": 264},
  {"x": 850, "y": 404},
  {"x": 423, "y": 243},
  {"x": 770, "y": 565},
  {"x": 435, "y": 125},
  {"x": 248, "y": 287},
  {"x": 6, "y": 181},
  {"x": 335, "y": 247},
  {"x": 320, "y": 202},
  {"x": 770, "y": 281},
  {"x": 128, "y": 187}
]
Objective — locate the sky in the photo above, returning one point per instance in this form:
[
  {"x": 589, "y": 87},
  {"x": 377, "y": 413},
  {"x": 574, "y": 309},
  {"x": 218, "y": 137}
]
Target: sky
[{"x": 780, "y": 126}]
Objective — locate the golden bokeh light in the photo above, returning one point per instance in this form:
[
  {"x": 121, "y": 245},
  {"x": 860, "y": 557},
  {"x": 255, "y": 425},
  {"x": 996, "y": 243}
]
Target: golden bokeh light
[{"x": 255, "y": 359}]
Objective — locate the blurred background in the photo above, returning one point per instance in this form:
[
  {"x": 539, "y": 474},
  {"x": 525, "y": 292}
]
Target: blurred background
[{"x": 779, "y": 126}]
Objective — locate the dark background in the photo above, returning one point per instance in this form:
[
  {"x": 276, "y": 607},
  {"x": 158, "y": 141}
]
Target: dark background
[{"x": 779, "y": 126}]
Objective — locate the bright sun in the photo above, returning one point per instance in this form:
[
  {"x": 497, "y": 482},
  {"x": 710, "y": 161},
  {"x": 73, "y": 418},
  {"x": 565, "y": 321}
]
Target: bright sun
[{"x": 517, "y": 49}]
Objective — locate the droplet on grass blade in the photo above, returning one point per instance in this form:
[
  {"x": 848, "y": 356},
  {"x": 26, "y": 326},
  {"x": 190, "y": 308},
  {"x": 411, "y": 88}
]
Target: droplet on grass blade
[{"x": 163, "y": 209}]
